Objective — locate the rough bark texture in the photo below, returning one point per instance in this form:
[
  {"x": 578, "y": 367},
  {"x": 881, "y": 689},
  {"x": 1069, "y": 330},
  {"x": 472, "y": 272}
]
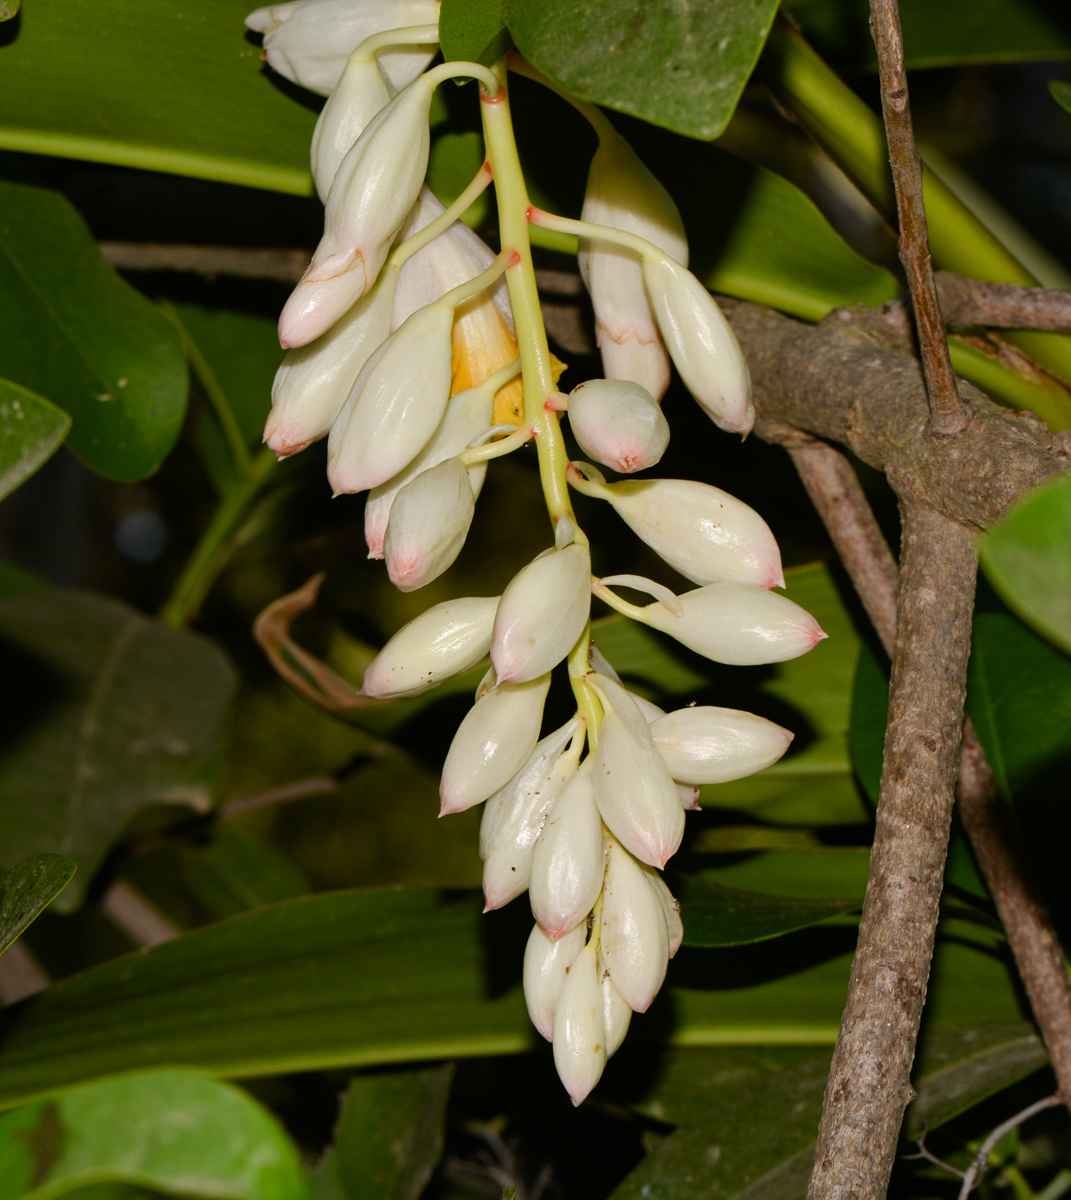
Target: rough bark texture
[
  {"x": 869, "y": 1081},
  {"x": 966, "y": 302}
]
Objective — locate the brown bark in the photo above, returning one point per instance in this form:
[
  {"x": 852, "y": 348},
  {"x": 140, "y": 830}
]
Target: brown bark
[{"x": 966, "y": 302}]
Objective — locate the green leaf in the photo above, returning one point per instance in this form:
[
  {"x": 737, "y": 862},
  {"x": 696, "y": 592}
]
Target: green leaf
[
  {"x": 105, "y": 712},
  {"x": 1027, "y": 558},
  {"x": 390, "y": 1134},
  {"x": 715, "y": 915},
  {"x": 237, "y": 871},
  {"x": 27, "y": 888},
  {"x": 185, "y": 92},
  {"x": 806, "y": 873},
  {"x": 473, "y": 31},
  {"x": 173, "y": 1131},
  {"x": 31, "y": 430},
  {"x": 1061, "y": 93},
  {"x": 15, "y": 581},
  {"x": 77, "y": 333},
  {"x": 679, "y": 66}
]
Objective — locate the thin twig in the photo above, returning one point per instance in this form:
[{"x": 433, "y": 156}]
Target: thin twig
[
  {"x": 929, "y": 1157},
  {"x": 978, "y": 1163},
  {"x": 948, "y": 414},
  {"x": 966, "y": 302},
  {"x": 140, "y": 920},
  {"x": 298, "y": 790}
]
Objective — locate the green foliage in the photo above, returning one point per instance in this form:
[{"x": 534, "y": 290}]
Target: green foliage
[
  {"x": 76, "y": 333},
  {"x": 473, "y": 31},
  {"x": 171, "y": 1131},
  {"x": 1061, "y": 93},
  {"x": 106, "y": 713},
  {"x": 27, "y": 888},
  {"x": 31, "y": 430},
  {"x": 715, "y": 915},
  {"x": 679, "y": 67}
]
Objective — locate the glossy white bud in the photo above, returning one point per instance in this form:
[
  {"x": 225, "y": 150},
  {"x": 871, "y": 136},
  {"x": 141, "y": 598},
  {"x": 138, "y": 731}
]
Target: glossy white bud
[
  {"x": 622, "y": 193},
  {"x": 492, "y": 743},
  {"x": 543, "y": 613},
  {"x": 309, "y": 41},
  {"x": 738, "y": 624},
  {"x": 702, "y": 345},
  {"x": 467, "y": 416},
  {"x": 616, "y": 1014},
  {"x": 395, "y": 406},
  {"x": 634, "y": 939},
  {"x": 361, "y": 93},
  {"x": 376, "y": 185},
  {"x": 568, "y": 863},
  {"x": 690, "y": 796},
  {"x": 579, "y": 1028},
  {"x": 443, "y": 642},
  {"x": 428, "y": 524},
  {"x": 546, "y": 968},
  {"x": 714, "y": 745},
  {"x": 651, "y": 712},
  {"x": 313, "y": 381},
  {"x": 618, "y": 423},
  {"x": 671, "y": 909}
]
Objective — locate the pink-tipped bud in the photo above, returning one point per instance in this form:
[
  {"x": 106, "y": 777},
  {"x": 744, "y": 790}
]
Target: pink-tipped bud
[
  {"x": 492, "y": 743},
  {"x": 579, "y": 1028},
  {"x": 428, "y": 524},
  {"x": 702, "y": 345},
  {"x": 360, "y": 94},
  {"x": 543, "y": 613},
  {"x": 616, "y": 1014},
  {"x": 567, "y": 866},
  {"x": 618, "y": 423},
  {"x": 634, "y": 938},
  {"x": 546, "y": 967},
  {"x": 671, "y": 909},
  {"x": 738, "y": 624},
  {"x": 715, "y": 745},
  {"x": 443, "y": 642},
  {"x": 395, "y": 406}
]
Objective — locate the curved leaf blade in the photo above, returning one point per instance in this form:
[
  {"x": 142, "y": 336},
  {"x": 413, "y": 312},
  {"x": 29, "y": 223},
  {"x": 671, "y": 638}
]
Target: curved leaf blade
[
  {"x": 715, "y": 915},
  {"x": 27, "y": 889},
  {"x": 31, "y": 431}
]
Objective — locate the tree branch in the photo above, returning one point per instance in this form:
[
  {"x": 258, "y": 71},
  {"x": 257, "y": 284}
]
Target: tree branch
[{"x": 966, "y": 302}]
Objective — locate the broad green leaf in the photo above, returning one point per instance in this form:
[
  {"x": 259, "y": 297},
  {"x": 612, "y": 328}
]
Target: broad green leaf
[
  {"x": 390, "y": 1134},
  {"x": 15, "y": 581},
  {"x": 78, "y": 334},
  {"x": 473, "y": 31},
  {"x": 715, "y": 915},
  {"x": 679, "y": 66},
  {"x": 1027, "y": 558},
  {"x": 144, "y": 83},
  {"x": 359, "y": 978},
  {"x": 171, "y": 1130},
  {"x": 817, "y": 873},
  {"x": 237, "y": 871},
  {"x": 1061, "y": 93},
  {"x": 31, "y": 430},
  {"x": 27, "y": 888},
  {"x": 105, "y": 712}
]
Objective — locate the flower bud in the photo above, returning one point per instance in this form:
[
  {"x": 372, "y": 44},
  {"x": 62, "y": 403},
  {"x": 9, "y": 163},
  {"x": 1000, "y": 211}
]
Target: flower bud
[
  {"x": 376, "y": 185},
  {"x": 361, "y": 93},
  {"x": 514, "y": 815},
  {"x": 738, "y": 624},
  {"x": 616, "y": 1014},
  {"x": 312, "y": 382},
  {"x": 428, "y": 524},
  {"x": 467, "y": 416},
  {"x": 702, "y": 344},
  {"x": 634, "y": 939},
  {"x": 546, "y": 966},
  {"x": 395, "y": 406},
  {"x": 715, "y": 745},
  {"x": 309, "y": 41},
  {"x": 623, "y": 194},
  {"x": 568, "y": 863},
  {"x": 543, "y": 613},
  {"x": 618, "y": 424},
  {"x": 445, "y": 641},
  {"x": 689, "y": 795},
  {"x": 579, "y": 1029},
  {"x": 492, "y": 743},
  {"x": 671, "y": 910}
]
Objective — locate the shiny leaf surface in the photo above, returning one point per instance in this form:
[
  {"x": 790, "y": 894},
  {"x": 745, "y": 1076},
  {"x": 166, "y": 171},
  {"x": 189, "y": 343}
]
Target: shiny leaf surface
[
  {"x": 31, "y": 430},
  {"x": 27, "y": 888}
]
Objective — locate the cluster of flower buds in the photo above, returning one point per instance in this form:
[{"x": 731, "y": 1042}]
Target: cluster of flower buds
[{"x": 404, "y": 350}]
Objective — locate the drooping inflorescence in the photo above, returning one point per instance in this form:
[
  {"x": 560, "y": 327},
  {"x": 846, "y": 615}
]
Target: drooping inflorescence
[{"x": 421, "y": 355}]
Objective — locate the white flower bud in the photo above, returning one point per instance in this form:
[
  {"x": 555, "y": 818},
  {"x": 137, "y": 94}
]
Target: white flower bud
[
  {"x": 514, "y": 815},
  {"x": 579, "y": 1028},
  {"x": 375, "y": 187},
  {"x": 467, "y": 416},
  {"x": 616, "y": 1014},
  {"x": 623, "y": 194},
  {"x": 313, "y": 381},
  {"x": 428, "y": 524},
  {"x": 543, "y": 613},
  {"x": 618, "y": 423},
  {"x": 690, "y": 796},
  {"x": 309, "y": 41},
  {"x": 634, "y": 939},
  {"x": 395, "y": 406},
  {"x": 568, "y": 863},
  {"x": 546, "y": 967},
  {"x": 361, "y": 93},
  {"x": 492, "y": 743},
  {"x": 444, "y": 641},
  {"x": 715, "y": 745},
  {"x": 651, "y": 712},
  {"x": 701, "y": 531},
  {"x": 671, "y": 909},
  {"x": 738, "y": 624},
  {"x": 702, "y": 344}
]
